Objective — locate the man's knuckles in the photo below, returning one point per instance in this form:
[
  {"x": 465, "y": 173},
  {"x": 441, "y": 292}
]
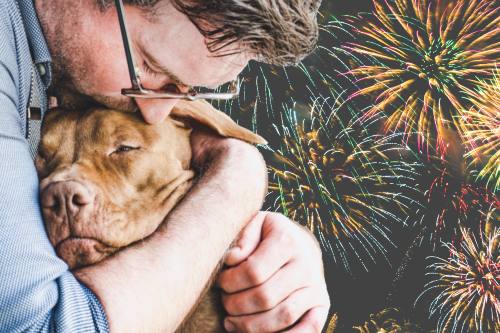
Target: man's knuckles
[
  {"x": 287, "y": 315},
  {"x": 255, "y": 300},
  {"x": 290, "y": 233},
  {"x": 246, "y": 275},
  {"x": 254, "y": 273}
]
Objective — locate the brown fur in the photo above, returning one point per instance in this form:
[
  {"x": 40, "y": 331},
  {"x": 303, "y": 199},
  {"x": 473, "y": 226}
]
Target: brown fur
[{"x": 126, "y": 194}]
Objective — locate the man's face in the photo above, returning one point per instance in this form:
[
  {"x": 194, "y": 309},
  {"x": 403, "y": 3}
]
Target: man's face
[{"x": 169, "y": 50}]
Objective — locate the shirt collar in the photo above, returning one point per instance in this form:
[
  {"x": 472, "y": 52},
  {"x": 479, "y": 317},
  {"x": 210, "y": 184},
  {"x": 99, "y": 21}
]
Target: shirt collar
[{"x": 36, "y": 39}]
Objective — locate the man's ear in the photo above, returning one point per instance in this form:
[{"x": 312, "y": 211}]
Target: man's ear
[{"x": 204, "y": 113}]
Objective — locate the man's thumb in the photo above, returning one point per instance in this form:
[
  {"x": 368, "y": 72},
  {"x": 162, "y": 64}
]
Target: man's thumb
[{"x": 247, "y": 242}]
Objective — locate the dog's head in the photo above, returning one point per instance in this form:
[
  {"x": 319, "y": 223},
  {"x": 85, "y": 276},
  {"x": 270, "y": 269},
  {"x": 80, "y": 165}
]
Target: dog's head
[{"x": 108, "y": 179}]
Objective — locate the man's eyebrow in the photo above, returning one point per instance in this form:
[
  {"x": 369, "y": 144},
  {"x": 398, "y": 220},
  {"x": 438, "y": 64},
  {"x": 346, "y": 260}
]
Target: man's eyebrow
[{"x": 162, "y": 69}]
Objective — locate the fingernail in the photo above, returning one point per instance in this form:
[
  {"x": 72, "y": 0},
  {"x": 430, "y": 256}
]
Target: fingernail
[
  {"x": 233, "y": 251},
  {"x": 236, "y": 249},
  {"x": 229, "y": 326}
]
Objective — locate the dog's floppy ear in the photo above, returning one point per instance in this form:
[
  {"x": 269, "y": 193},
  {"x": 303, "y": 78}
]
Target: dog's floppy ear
[{"x": 204, "y": 113}]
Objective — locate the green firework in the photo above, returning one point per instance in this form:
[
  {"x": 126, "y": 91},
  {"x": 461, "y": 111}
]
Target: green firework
[{"x": 424, "y": 55}]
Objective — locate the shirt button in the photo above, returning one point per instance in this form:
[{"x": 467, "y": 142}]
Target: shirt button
[{"x": 42, "y": 70}]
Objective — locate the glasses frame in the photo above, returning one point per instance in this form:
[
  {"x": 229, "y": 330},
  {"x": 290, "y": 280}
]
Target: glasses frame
[{"x": 138, "y": 91}]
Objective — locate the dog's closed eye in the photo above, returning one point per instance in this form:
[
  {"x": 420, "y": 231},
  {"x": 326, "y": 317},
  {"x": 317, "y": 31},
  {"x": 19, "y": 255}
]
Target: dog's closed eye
[{"x": 121, "y": 149}]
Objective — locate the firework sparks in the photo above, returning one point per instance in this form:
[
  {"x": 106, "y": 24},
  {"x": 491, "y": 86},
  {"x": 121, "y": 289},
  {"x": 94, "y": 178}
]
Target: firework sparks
[
  {"x": 389, "y": 320},
  {"x": 468, "y": 282},
  {"x": 425, "y": 53},
  {"x": 338, "y": 181},
  {"x": 482, "y": 130},
  {"x": 451, "y": 202}
]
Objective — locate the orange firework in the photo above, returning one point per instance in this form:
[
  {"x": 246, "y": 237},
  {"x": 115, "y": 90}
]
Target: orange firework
[
  {"x": 423, "y": 56},
  {"x": 482, "y": 130}
]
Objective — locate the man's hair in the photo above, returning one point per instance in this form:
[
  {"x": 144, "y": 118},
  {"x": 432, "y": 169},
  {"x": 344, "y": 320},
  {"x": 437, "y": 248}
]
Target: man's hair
[{"x": 280, "y": 32}]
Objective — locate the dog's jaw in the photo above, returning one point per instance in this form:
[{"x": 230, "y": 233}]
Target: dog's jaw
[{"x": 81, "y": 252}]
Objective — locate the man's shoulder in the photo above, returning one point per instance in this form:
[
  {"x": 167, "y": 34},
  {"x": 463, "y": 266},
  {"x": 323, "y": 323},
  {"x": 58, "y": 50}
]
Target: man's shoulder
[
  {"x": 8, "y": 27},
  {"x": 15, "y": 62}
]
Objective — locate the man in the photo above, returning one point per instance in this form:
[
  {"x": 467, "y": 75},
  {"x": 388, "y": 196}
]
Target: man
[{"x": 274, "y": 280}]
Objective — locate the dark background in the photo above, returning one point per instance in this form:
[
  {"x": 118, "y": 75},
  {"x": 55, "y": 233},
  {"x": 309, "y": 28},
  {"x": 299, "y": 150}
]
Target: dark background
[
  {"x": 355, "y": 295},
  {"x": 395, "y": 281}
]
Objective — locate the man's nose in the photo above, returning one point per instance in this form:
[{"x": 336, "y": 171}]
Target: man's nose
[{"x": 155, "y": 111}]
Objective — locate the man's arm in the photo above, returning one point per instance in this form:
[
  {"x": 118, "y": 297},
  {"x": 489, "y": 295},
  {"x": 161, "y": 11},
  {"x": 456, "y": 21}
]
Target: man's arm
[
  {"x": 37, "y": 292},
  {"x": 150, "y": 287}
]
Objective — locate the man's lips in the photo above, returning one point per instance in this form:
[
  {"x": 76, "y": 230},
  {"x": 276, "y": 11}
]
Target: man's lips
[{"x": 78, "y": 252}]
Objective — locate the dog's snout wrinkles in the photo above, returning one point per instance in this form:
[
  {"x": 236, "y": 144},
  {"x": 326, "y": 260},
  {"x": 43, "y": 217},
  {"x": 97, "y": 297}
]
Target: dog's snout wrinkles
[{"x": 68, "y": 197}]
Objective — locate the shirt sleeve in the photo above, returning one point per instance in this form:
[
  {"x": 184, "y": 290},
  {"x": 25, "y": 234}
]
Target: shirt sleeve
[{"x": 37, "y": 292}]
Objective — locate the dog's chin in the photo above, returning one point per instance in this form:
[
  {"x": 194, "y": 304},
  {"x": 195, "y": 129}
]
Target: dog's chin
[{"x": 80, "y": 252}]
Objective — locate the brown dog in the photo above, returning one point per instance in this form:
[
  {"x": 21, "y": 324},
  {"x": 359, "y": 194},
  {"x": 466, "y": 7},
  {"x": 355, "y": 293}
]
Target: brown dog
[{"x": 108, "y": 180}]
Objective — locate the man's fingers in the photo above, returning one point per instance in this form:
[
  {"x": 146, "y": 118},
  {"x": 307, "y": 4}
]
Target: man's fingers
[
  {"x": 312, "y": 322},
  {"x": 282, "y": 316},
  {"x": 266, "y": 296},
  {"x": 258, "y": 268},
  {"x": 248, "y": 241}
]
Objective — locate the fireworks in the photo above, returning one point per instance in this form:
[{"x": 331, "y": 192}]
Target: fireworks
[
  {"x": 482, "y": 130},
  {"x": 389, "y": 320},
  {"x": 332, "y": 323},
  {"x": 451, "y": 202},
  {"x": 468, "y": 282},
  {"x": 423, "y": 55},
  {"x": 339, "y": 182}
]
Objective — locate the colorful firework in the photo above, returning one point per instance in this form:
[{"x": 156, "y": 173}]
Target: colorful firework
[
  {"x": 340, "y": 182},
  {"x": 423, "y": 55},
  {"x": 468, "y": 282},
  {"x": 451, "y": 201},
  {"x": 482, "y": 130},
  {"x": 266, "y": 89},
  {"x": 389, "y": 320}
]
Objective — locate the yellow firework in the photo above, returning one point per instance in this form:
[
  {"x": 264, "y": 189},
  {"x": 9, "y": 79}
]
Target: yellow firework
[
  {"x": 338, "y": 181},
  {"x": 389, "y": 320},
  {"x": 482, "y": 130},
  {"x": 468, "y": 282},
  {"x": 423, "y": 55}
]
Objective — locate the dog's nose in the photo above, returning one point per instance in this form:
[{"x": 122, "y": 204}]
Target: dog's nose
[{"x": 67, "y": 198}]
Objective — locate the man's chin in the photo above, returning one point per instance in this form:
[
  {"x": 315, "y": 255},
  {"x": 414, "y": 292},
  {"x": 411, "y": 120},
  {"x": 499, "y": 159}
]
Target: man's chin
[{"x": 81, "y": 252}]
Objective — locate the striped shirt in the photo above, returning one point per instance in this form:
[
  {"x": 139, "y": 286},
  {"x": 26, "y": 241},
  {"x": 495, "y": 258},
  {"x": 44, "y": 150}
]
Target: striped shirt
[{"x": 37, "y": 292}]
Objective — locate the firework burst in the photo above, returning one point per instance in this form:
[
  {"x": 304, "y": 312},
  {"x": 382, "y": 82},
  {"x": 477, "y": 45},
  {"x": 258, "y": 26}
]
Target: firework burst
[
  {"x": 450, "y": 202},
  {"x": 265, "y": 89},
  {"x": 338, "y": 181},
  {"x": 423, "y": 54},
  {"x": 468, "y": 282},
  {"x": 482, "y": 130},
  {"x": 390, "y": 320}
]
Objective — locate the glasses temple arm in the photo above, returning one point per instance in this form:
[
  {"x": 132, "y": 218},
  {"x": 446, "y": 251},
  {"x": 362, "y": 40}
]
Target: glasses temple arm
[{"x": 134, "y": 77}]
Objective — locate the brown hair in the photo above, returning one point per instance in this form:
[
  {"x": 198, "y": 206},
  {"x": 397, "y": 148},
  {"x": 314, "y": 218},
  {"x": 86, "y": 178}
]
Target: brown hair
[{"x": 280, "y": 32}]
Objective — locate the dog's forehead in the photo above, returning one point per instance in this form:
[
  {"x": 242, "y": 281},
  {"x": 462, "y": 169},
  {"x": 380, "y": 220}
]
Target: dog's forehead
[
  {"x": 102, "y": 124},
  {"x": 106, "y": 127}
]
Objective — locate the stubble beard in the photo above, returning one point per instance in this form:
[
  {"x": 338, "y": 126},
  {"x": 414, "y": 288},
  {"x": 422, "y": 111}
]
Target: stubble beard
[{"x": 70, "y": 97}]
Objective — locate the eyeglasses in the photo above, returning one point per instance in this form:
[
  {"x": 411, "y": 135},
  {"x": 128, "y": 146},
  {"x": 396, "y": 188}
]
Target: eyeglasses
[{"x": 138, "y": 91}]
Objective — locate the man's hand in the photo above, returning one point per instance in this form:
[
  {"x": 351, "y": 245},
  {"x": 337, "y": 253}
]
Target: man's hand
[{"x": 276, "y": 279}]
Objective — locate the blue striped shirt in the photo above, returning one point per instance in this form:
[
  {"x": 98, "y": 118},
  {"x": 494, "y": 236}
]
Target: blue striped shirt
[{"x": 37, "y": 292}]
